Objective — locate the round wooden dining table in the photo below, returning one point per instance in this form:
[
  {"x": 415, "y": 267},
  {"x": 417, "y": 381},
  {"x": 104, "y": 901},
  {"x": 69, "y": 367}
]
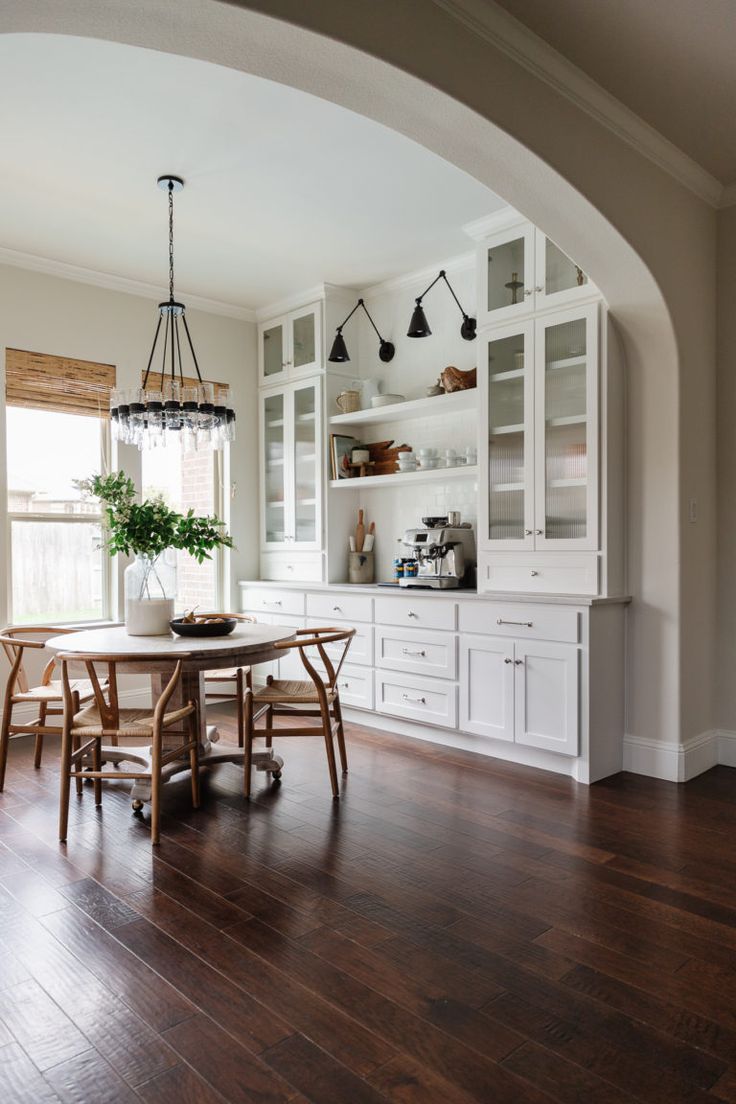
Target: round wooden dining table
[{"x": 248, "y": 645}]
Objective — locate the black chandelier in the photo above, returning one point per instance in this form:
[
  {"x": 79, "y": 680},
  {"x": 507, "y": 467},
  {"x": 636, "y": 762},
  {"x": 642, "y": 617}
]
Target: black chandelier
[
  {"x": 187, "y": 409},
  {"x": 419, "y": 327},
  {"x": 339, "y": 350}
]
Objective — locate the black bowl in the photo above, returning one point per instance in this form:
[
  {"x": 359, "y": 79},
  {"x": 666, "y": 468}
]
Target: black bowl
[
  {"x": 436, "y": 522},
  {"x": 189, "y": 628}
]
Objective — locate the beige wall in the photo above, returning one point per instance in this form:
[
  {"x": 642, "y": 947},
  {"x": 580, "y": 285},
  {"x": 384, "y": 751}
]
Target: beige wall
[
  {"x": 726, "y": 435},
  {"x": 50, "y": 315},
  {"x": 646, "y": 241}
]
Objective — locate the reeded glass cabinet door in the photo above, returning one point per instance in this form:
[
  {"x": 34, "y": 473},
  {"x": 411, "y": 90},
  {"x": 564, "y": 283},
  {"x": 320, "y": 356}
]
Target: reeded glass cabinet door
[
  {"x": 508, "y": 373},
  {"x": 305, "y": 464},
  {"x": 566, "y": 446},
  {"x": 273, "y": 459},
  {"x": 507, "y": 275}
]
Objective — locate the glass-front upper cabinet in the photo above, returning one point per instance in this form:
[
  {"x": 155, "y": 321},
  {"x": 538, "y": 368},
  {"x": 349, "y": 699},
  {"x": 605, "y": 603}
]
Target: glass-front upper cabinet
[
  {"x": 566, "y": 435},
  {"x": 291, "y": 468},
  {"x": 521, "y": 270},
  {"x": 507, "y": 378},
  {"x": 290, "y": 345}
]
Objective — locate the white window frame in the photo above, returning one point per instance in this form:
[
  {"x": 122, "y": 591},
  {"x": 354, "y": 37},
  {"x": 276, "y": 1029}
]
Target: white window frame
[{"x": 66, "y": 519}]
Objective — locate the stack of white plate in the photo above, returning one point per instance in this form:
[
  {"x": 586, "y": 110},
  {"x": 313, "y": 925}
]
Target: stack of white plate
[{"x": 387, "y": 400}]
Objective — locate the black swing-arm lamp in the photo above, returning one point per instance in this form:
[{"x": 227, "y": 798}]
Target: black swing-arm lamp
[
  {"x": 419, "y": 327},
  {"x": 339, "y": 351}
]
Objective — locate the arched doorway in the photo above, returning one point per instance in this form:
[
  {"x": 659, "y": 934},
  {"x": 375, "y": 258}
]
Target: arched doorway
[{"x": 502, "y": 134}]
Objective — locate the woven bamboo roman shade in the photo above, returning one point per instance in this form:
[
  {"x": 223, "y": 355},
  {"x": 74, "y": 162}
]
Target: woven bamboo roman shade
[{"x": 47, "y": 382}]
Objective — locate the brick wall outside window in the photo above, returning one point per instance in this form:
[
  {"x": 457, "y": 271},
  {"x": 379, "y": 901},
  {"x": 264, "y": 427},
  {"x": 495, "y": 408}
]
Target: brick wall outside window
[{"x": 197, "y": 583}]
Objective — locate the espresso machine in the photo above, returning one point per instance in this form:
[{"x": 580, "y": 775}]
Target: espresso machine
[{"x": 444, "y": 555}]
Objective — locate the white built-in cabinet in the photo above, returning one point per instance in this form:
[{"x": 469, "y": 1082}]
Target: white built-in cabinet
[
  {"x": 539, "y": 426},
  {"x": 290, "y": 345},
  {"x": 521, "y": 270},
  {"x": 291, "y": 466}
]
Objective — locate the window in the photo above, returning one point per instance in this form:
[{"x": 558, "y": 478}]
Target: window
[
  {"x": 189, "y": 480},
  {"x": 57, "y": 570}
]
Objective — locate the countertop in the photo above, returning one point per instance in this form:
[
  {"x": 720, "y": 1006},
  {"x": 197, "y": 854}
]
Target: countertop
[{"x": 457, "y": 594}]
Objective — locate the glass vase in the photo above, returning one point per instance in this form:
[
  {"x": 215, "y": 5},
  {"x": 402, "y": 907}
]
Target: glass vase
[{"x": 150, "y": 590}]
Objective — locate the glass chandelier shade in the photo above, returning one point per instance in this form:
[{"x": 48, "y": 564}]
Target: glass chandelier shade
[{"x": 169, "y": 405}]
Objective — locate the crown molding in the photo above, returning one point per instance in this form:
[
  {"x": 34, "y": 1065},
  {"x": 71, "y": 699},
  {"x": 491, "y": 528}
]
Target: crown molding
[
  {"x": 49, "y": 267},
  {"x": 299, "y": 299},
  {"x": 492, "y": 23},
  {"x": 460, "y": 263},
  {"x": 728, "y": 196},
  {"x": 481, "y": 228}
]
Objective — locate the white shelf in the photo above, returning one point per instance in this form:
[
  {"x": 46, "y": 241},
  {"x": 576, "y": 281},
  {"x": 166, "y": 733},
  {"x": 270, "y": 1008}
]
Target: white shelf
[
  {"x": 570, "y": 419},
  {"x": 497, "y": 431},
  {"x": 430, "y": 475},
  {"x": 275, "y": 463},
  {"x": 275, "y": 505},
  {"x": 568, "y": 483},
  {"x": 432, "y": 406},
  {"x": 275, "y": 423},
  {"x": 306, "y": 502},
  {"x": 304, "y": 417},
  {"x": 512, "y": 374},
  {"x": 567, "y": 362},
  {"x": 507, "y": 486}
]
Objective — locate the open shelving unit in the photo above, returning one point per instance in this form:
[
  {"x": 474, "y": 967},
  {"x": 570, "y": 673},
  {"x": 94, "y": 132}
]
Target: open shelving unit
[
  {"x": 431, "y": 406},
  {"x": 430, "y": 475}
]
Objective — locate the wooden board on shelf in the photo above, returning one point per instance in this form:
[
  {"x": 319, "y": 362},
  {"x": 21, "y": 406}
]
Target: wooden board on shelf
[{"x": 384, "y": 456}]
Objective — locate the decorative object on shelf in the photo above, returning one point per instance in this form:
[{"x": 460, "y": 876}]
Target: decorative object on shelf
[
  {"x": 339, "y": 350},
  {"x": 519, "y": 360},
  {"x": 407, "y": 461},
  {"x": 151, "y": 532},
  {"x": 347, "y": 402},
  {"x": 419, "y": 327},
  {"x": 454, "y": 379},
  {"x": 435, "y": 389},
  {"x": 514, "y": 285},
  {"x": 386, "y": 400},
  {"x": 360, "y": 456},
  {"x": 341, "y": 450},
  {"x": 580, "y": 276},
  {"x": 385, "y": 455},
  {"x": 360, "y": 462},
  {"x": 180, "y": 408},
  {"x": 369, "y": 388}
]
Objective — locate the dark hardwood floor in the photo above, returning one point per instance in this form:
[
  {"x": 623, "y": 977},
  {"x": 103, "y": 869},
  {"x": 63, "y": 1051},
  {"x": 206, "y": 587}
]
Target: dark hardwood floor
[{"x": 455, "y": 930}]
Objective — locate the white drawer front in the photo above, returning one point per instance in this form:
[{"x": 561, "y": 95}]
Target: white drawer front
[
  {"x": 525, "y": 622},
  {"x": 297, "y": 567},
  {"x": 339, "y": 607},
  {"x": 418, "y": 651},
  {"x": 416, "y": 613},
  {"x": 565, "y": 574},
  {"x": 356, "y": 686},
  {"x": 361, "y": 646},
  {"x": 272, "y": 600},
  {"x": 417, "y": 699}
]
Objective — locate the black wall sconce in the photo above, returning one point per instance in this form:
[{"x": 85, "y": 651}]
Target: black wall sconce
[
  {"x": 339, "y": 350},
  {"x": 419, "y": 327}
]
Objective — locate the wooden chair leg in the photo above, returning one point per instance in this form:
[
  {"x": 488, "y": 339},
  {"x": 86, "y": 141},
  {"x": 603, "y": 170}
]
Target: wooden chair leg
[
  {"x": 79, "y": 780},
  {"x": 156, "y": 789},
  {"x": 330, "y": 749},
  {"x": 4, "y": 743},
  {"x": 38, "y": 748},
  {"x": 239, "y": 692},
  {"x": 248, "y": 747},
  {"x": 64, "y": 782},
  {"x": 96, "y": 766},
  {"x": 268, "y": 727},
  {"x": 340, "y": 735},
  {"x": 194, "y": 758}
]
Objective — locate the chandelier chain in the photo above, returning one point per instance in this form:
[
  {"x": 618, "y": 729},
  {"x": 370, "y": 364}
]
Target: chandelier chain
[{"x": 171, "y": 241}]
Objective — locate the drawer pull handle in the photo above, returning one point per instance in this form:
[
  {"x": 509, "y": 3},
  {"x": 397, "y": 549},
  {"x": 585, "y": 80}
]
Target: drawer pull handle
[
  {"x": 524, "y": 624},
  {"x": 337, "y": 609},
  {"x": 535, "y": 573},
  {"x": 275, "y": 602},
  {"x": 409, "y": 652},
  {"x": 416, "y": 701},
  {"x": 345, "y": 685},
  {"x": 289, "y": 567},
  {"x": 411, "y": 613}
]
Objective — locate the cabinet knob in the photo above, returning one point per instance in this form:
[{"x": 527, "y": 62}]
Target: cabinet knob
[
  {"x": 539, "y": 288},
  {"x": 534, "y": 573},
  {"x": 412, "y": 614},
  {"x": 528, "y": 292},
  {"x": 539, "y": 532},
  {"x": 507, "y": 660},
  {"x": 528, "y": 532},
  {"x": 518, "y": 662}
]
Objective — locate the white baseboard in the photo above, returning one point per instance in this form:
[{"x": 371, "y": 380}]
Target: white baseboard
[{"x": 675, "y": 762}]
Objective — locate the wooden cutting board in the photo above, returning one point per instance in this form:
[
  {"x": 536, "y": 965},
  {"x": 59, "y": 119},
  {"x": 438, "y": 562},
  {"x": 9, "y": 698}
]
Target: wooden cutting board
[{"x": 385, "y": 455}]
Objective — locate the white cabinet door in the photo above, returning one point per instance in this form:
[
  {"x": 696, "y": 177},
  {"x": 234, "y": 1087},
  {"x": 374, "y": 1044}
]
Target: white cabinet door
[
  {"x": 273, "y": 344},
  {"x": 558, "y": 280},
  {"x": 304, "y": 465},
  {"x": 546, "y": 691},
  {"x": 275, "y": 485},
  {"x": 487, "y": 686},
  {"x": 304, "y": 356},
  {"x": 566, "y": 430},
  {"x": 506, "y": 275},
  {"x": 506, "y": 381}
]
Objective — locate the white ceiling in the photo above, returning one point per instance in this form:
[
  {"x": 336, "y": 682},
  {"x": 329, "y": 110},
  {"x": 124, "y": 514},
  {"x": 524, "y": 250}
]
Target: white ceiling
[
  {"x": 670, "y": 61},
  {"x": 283, "y": 190}
]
